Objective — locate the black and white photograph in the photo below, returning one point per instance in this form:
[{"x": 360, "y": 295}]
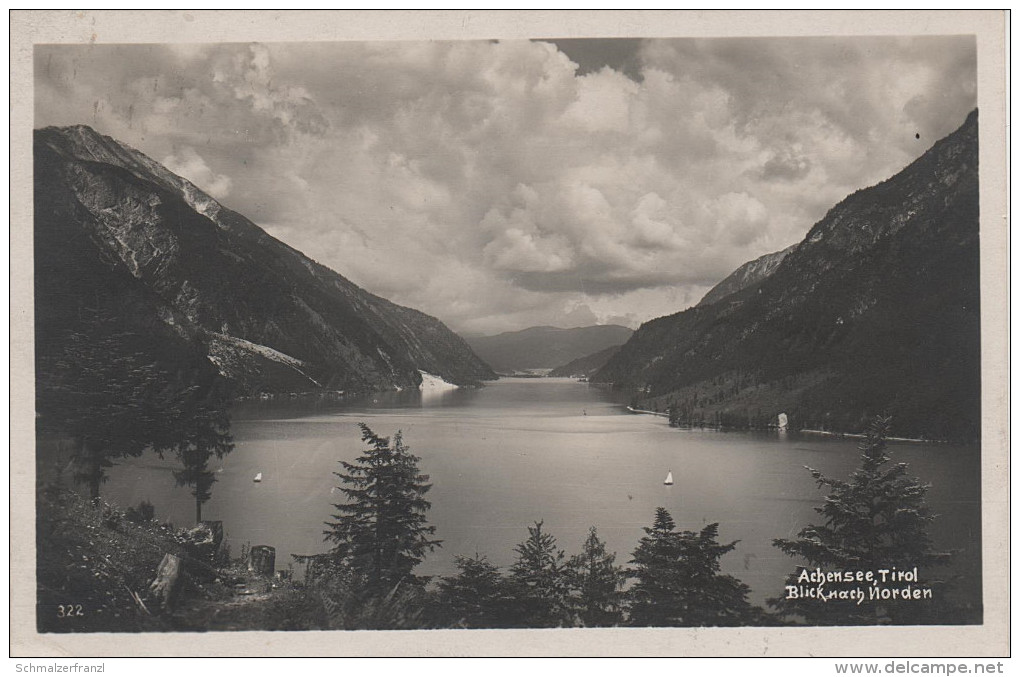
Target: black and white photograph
[{"x": 669, "y": 329}]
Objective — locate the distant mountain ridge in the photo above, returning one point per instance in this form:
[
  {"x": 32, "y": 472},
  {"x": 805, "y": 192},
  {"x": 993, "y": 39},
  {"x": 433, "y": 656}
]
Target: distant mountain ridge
[
  {"x": 877, "y": 310},
  {"x": 747, "y": 275},
  {"x": 587, "y": 365},
  {"x": 114, "y": 228},
  {"x": 545, "y": 347}
]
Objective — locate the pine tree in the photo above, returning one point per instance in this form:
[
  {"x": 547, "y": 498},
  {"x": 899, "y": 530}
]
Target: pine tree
[
  {"x": 540, "y": 582},
  {"x": 597, "y": 584},
  {"x": 202, "y": 434},
  {"x": 477, "y": 597},
  {"x": 678, "y": 579},
  {"x": 876, "y": 520},
  {"x": 381, "y": 533}
]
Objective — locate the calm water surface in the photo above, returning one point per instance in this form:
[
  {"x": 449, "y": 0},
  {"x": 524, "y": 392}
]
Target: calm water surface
[{"x": 521, "y": 450}]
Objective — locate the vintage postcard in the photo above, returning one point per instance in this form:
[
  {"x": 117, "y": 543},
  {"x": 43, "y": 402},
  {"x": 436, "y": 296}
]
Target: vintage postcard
[{"x": 481, "y": 333}]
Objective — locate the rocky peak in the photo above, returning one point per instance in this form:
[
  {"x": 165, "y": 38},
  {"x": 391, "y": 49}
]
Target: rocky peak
[
  {"x": 271, "y": 319},
  {"x": 931, "y": 181},
  {"x": 81, "y": 142},
  {"x": 877, "y": 310}
]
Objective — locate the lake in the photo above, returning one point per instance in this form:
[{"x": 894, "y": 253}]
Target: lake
[{"x": 502, "y": 456}]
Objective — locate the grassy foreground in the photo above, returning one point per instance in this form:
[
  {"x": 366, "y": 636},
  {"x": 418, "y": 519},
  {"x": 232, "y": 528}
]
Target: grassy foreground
[{"x": 95, "y": 565}]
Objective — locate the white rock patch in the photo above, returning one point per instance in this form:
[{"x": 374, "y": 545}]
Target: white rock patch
[{"x": 433, "y": 383}]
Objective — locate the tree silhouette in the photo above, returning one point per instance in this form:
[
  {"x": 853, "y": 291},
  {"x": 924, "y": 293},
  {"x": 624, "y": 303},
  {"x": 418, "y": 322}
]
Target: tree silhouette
[
  {"x": 678, "y": 581},
  {"x": 540, "y": 583},
  {"x": 203, "y": 434},
  {"x": 597, "y": 584},
  {"x": 477, "y": 597},
  {"x": 382, "y": 533},
  {"x": 876, "y": 520}
]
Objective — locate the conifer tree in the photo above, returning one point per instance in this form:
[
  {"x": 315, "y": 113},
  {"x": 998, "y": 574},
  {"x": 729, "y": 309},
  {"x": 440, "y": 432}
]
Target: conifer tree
[
  {"x": 540, "y": 583},
  {"x": 876, "y": 520},
  {"x": 597, "y": 584},
  {"x": 678, "y": 581},
  {"x": 204, "y": 433},
  {"x": 382, "y": 533},
  {"x": 477, "y": 597}
]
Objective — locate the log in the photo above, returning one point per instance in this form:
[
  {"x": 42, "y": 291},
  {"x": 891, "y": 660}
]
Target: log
[
  {"x": 138, "y": 600},
  {"x": 262, "y": 560},
  {"x": 167, "y": 577}
]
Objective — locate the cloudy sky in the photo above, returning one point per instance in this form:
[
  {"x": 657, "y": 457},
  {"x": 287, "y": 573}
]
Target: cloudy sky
[{"x": 500, "y": 185}]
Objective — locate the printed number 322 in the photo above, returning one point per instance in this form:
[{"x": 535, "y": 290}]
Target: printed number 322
[{"x": 69, "y": 610}]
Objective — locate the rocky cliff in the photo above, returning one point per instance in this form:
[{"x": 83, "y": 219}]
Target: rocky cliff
[
  {"x": 875, "y": 311},
  {"x": 117, "y": 231}
]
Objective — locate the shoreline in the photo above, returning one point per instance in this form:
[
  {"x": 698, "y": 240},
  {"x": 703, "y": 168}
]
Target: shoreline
[
  {"x": 809, "y": 431},
  {"x": 646, "y": 411},
  {"x": 860, "y": 436}
]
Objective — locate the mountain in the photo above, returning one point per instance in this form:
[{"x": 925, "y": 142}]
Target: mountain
[
  {"x": 587, "y": 365},
  {"x": 545, "y": 347},
  {"x": 877, "y": 310},
  {"x": 121, "y": 238},
  {"x": 747, "y": 275}
]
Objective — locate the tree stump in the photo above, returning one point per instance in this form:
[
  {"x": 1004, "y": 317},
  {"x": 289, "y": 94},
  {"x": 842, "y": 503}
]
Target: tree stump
[
  {"x": 165, "y": 583},
  {"x": 203, "y": 541},
  {"x": 216, "y": 528},
  {"x": 262, "y": 560}
]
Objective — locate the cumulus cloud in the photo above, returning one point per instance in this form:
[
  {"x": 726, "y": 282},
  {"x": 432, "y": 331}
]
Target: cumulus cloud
[
  {"x": 503, "y": 184},
  {"x": 188, "y": 163}
]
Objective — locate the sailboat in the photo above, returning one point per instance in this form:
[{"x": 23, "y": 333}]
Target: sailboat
[
  {"x": 258, "y": 478},
  {"x": 669, "y": 478}
]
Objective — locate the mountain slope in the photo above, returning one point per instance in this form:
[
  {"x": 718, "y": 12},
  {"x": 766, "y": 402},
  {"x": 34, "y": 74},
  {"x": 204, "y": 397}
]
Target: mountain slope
[
  {"x": 587, "y": 365},
  {"x": 876, "y": 311},
  {"x": 545, "y": 347},
  {"x": 747, "y": 275},
  {"x": 193, "y": 272}
]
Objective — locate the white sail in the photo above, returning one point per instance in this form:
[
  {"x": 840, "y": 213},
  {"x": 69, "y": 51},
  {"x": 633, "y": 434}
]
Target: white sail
[
  {"x": 669, "y": 478},
  {"x": 258, "y": 477}
]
